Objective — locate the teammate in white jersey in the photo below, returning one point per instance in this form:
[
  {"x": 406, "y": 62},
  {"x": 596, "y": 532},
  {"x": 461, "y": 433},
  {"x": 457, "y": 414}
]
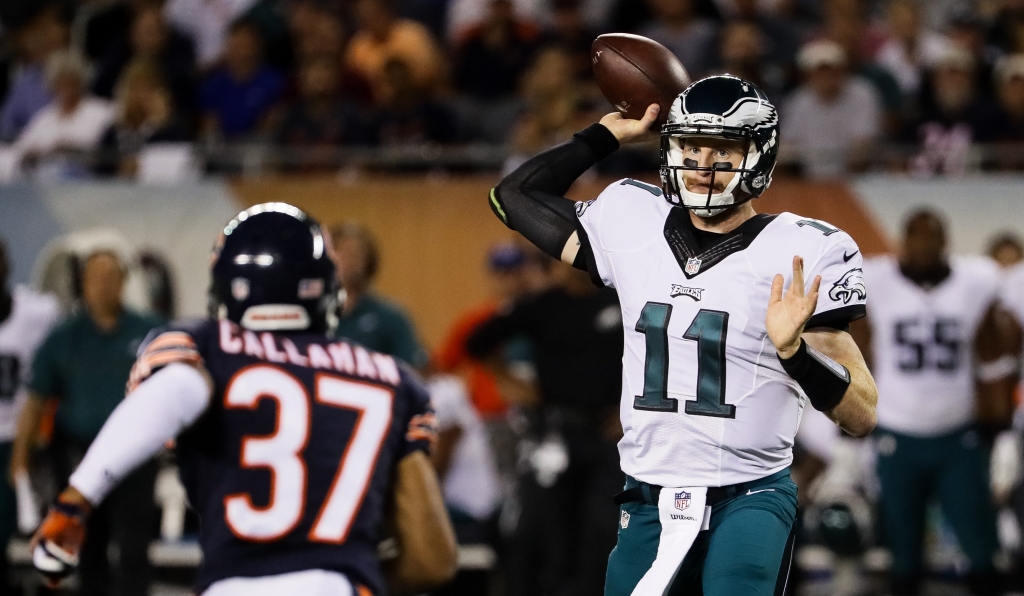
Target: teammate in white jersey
[
  {"x": 933, "y": 336},
  {"x": 25, "y": 320},
  {"x": 719, "y": 361}
]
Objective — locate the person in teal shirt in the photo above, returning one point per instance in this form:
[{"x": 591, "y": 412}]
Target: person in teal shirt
[
  {"x": 363, "y": 316},
  {"x": 84, "y": 364}
]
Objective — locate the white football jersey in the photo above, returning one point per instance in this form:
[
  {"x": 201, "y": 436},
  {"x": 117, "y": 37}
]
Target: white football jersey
[
  {"x": 21, "y": 334},
  {"x": 705, "y": 401},
  {"x": 922, "y": 343}
]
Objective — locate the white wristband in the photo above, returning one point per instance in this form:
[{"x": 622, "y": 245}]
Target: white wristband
[{"x": 997, "y": 369}]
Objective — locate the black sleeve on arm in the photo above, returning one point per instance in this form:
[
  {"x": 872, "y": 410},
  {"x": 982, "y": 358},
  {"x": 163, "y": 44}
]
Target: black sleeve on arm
[{"x": 531, "y": 200}]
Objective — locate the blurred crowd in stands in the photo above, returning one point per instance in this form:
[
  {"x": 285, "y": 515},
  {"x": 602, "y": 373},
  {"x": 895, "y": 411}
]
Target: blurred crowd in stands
[{"x": 932, "y": 87}]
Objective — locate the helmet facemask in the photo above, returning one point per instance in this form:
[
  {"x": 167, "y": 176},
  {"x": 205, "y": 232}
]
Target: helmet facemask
[
  {"x": 711, "y": 203},
  {"x": 721, "y": 107}
]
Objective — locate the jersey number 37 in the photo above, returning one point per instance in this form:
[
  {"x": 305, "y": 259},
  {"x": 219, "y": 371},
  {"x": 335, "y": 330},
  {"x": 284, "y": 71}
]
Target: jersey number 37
[
  {"x": 709, "y": 329},
  {"x": 281, "y": 453}
]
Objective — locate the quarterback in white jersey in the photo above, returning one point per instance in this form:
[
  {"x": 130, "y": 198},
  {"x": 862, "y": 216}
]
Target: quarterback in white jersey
[
  {"x": 719, "y": 360},
  {"x": 934, "y": 344}
]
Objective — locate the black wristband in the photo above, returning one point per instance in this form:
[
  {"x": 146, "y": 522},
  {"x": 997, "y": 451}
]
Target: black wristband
[
  {"x": 823, "y": 380},
  {"x": 600, "y": 140}
]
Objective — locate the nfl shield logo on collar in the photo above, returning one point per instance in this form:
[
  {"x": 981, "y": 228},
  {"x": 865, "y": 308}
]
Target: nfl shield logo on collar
[
  {"x": 682, "y": 500},
  {"x": 692, "y": 266}
]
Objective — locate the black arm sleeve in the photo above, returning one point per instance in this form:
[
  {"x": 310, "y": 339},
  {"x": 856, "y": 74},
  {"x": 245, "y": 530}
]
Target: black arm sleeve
[{"x": 531, "y": 200}]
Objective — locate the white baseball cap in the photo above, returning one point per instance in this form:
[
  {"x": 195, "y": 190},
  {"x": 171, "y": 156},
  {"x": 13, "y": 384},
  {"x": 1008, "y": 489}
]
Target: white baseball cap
[{"x": 823, "y": 52}]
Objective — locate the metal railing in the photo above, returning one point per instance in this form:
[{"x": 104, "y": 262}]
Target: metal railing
[{"x": 255, "y": 158}]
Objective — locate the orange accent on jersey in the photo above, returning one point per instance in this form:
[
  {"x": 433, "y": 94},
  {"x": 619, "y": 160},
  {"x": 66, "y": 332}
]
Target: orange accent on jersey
[
  {"x": 421, "y": 435},
  {"x": 171, "y": 339},
  {"x": 423, "y": 427},
  {"x": 169, "y": 347},
  {"x": 363, "y": 591}
]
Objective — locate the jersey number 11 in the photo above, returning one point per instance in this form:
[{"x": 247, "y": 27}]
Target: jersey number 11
[{"x": 709, "y": 329}]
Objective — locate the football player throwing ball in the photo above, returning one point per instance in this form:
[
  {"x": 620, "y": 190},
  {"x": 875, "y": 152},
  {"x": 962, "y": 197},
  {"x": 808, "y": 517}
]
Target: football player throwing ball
[{"x": 734, "y": 322}]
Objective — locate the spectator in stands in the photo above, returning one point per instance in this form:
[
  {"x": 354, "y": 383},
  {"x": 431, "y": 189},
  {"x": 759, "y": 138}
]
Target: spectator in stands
[
  {"x": 691, "y": 38},
  {"x": 383, "y": 37},
  {"x": 569, "y": 30},
  {"x": 72, "y": 123},
  {"x": 209, "y": 23},
  {"x": 36, "y": 42},
  {"x": 846, "y": 23},
  {"x": 952, "y": 117},
  {"x": 781, "y": 35},
  {"x": 408, "y": 114},
  {"x": 25, "y": 320},
  {"x": 1009, "y": 75},
  {"x": 830, "y": 122},
  {"x": 491, "y": 57},
  {"x": 84, "y": 365},
  {"x": 106, "y": 25},
  {"x": 145, "y": 114},
  {"x": 320, "y": 36},
  {"x": 556, "y": 103},
  {"x": 237, "y": 98},
  {"x": 967, "y": 32},
  {"x": 150, "y": 38},
  {"x": 911, "y": 48},
  {"x": 321, "y": 118},
  {"x": 464, "y": 15},
  {"x": 742, "y": 51},
  {"x": 364, "y": 316},
  {"x": 1007, "y": 27},
  {"x": 1006, "y": 248}
]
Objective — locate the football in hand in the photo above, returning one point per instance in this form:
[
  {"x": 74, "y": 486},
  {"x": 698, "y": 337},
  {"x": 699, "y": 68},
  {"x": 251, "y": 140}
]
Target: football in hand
[{"x": 633, "y": 72}]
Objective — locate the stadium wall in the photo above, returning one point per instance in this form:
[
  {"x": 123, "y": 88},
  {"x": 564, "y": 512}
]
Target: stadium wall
[{"x": 434, "y": 230}]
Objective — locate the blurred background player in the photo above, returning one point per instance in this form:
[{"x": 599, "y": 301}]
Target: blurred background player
[
  {"x": 25, "y": 319},
  {"x": 342, "y": 431},
  {"x": 84, "y": 365},
  {"x": 363, "y": 315},
  {"x": 500, "y": 388},
  {"x": 566, "y": 524},
  {"x": 1006, "y": 250},
  {"x": 932, "y": 329}
]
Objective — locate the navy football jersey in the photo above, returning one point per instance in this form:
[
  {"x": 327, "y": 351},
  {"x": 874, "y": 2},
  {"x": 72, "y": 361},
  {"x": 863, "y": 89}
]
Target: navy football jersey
[{"x": 291, "y": 465}]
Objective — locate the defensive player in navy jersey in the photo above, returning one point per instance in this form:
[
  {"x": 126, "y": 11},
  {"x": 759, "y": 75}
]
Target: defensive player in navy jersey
[{"x": 292, "y": 446}]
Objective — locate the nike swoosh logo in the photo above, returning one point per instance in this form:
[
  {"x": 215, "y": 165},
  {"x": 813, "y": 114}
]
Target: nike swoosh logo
[
  {"x": 763, "y": 490},
  {"x": 846, "y": 257}
]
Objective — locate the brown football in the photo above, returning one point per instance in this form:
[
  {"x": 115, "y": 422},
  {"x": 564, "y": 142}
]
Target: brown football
[{"x": 633, "y": 72}]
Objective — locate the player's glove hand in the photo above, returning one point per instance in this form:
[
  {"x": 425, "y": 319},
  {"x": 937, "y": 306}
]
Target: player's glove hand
[{"x": 58, "y": 541}]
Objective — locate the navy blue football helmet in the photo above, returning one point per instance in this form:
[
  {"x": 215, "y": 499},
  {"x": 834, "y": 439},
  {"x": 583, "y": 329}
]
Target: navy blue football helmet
[{"x": 271, "y": 271}]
